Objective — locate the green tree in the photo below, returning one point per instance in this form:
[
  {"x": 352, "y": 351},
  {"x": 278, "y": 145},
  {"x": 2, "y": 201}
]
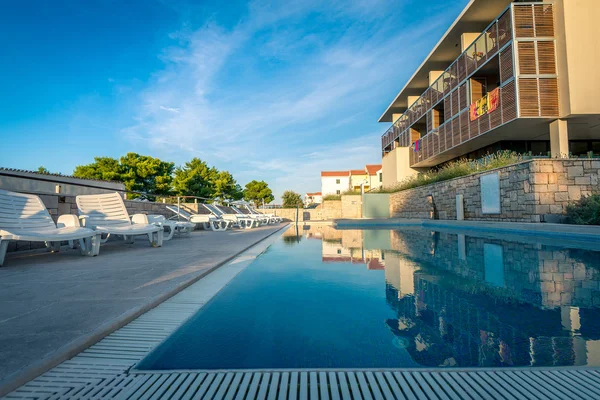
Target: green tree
[
  {"x": 103, "y": 168},
  {"x": 257, "y": 191},
  {"x": 42, "y": 170},
  {"x": 194, "y": 179},
  {"x": 139, "y": 173},
  {"x": 225, "y": 187},
  {"x": 292, "y": 199},
  {"x": 146, "y": 174}
]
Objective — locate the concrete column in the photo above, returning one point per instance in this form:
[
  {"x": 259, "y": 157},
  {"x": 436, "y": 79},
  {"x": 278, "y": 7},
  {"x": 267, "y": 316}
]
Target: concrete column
[
  {"x": 460, "y": 208},
  {"x": 412, "y": 99},
  {"x": 395, "y": 117},
  {"x": 433, "y": 76},
  {"x": 466, "y": 39},
  {"x": 559, "y": 139}
]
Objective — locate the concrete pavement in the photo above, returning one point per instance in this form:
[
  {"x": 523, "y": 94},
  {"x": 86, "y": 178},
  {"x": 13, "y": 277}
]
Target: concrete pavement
[{"x": 52, "y": 304}]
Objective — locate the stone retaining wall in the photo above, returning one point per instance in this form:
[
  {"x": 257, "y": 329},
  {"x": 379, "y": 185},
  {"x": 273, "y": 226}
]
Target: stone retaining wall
[
  {"x": 531, "y": 191},
  {"x": 349, "y": 206}
]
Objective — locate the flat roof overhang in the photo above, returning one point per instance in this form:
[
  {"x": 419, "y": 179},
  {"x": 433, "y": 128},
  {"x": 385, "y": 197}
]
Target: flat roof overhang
[
  {"x": 475, "y": 17},
  {"x": 581, "y": 127}
]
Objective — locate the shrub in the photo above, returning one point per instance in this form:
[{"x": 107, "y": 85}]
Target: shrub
[
  {"x": 456, "y": 169},
  {"x": 586, "y": 211},
  {"x": 351, "y": 192},
  {"x": 332, "y": 197}
]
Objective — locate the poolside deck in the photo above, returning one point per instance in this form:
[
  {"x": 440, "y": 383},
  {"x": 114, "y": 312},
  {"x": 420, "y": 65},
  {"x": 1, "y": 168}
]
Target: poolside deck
[{"x": 57, "y": 304}]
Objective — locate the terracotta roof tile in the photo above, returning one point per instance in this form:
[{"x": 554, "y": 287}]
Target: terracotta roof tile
[
  {"x": 373, "y": 168},
  {"x": 335, "y": 173}
]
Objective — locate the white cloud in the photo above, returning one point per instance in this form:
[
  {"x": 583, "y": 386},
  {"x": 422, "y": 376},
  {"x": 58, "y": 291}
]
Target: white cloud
[{"x": 272, "y": 98}]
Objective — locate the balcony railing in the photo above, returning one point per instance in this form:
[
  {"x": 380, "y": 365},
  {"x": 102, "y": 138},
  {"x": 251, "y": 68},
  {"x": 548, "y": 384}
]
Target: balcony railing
[
  {"x": 451, "y": 88},
  {"x": 519, "y": 29}
]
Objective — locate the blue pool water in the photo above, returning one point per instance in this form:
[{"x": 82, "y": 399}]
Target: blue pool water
[{"x": 323, "y": 298}]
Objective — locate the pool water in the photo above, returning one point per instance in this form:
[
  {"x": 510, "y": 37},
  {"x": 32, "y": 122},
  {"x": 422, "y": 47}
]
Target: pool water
[{"x": 327, "y": 298}]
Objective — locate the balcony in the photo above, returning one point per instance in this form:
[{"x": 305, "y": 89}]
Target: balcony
[{"x": 457, "y": 107}]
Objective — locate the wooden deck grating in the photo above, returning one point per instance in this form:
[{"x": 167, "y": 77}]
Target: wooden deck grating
[{"x": 103, "y": 370}]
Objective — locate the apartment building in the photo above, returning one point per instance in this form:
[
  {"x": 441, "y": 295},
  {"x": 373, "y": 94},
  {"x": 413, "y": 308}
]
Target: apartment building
[{"x": 507, "y": 75}]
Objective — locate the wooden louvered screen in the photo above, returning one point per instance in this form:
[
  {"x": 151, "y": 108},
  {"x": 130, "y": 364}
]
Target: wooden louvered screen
[
  {"x": 425, "y": 149},
  {"x": 504, "y": 29},
  {"x": 508, "y": 100},
  {"x": 429, "y": 122},
  {"x": 495, "y": 118},
  {"x": 548, "y": 97},
  {"x": 484, "y": 123},
  {"x": 546, "y": 57},
  {"x": 462, "y": 95},
  {"x": 464, "y": 126},
  {"x": 470, "y": 61},
  {"x": 492, "y": 39},
  {"x": 528, "y": 97},
  {"x": 523, "y": 21},
  {"x": 447, "y": 108},
  {"x": 473, "y": 128},
  {"x": 544, "y": 20},
  {"x": 462, "y": 68},
  {"x": 455, "y": 131},
  {"x": 453, "y": 75},
  {"x": 527, "y": 64},
  {"x": 442, "y": 138},
  {"x": 454, "y": 102},
  {"x": 506, "y": 64}
]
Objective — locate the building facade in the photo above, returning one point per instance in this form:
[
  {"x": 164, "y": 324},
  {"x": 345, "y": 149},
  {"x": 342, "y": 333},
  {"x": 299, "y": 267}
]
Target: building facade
[
  {"x": 334, "y": 182},
  {"x": 505, "y": 76},
  {"x": 313, "y": 198},
  {"x": 338, "y": 182}
]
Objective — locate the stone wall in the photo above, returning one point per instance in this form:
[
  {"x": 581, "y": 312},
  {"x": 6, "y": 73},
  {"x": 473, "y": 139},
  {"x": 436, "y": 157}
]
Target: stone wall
[
  {"x": 328, "y": 210},
  {"x": 531, "y": 191}
]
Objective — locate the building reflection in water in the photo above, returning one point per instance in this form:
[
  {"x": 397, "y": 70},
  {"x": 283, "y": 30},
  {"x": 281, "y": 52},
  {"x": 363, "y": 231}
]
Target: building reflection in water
[{"x": 467, "y": 301}]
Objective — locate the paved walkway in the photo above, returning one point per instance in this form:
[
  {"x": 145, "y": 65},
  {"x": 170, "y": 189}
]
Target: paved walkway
[{"x": 57, "y": 302}]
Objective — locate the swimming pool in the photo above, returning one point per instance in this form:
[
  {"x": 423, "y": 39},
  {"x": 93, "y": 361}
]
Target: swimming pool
[{"x": 410, "y": 298}]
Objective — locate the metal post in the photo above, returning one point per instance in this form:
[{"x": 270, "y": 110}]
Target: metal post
[{"x": 178, "y": 207}]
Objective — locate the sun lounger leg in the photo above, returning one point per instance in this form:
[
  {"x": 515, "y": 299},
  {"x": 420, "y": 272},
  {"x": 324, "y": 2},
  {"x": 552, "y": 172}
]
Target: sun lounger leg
[
  {"x": 105, "y": 239},
  {"x": 156, "y": 238},
  {"x": 3, "y": 249},
  {"x": 53, "y": 246},
  {"x": 171, "y": 232},
  {"x": 90, "y": 246}
]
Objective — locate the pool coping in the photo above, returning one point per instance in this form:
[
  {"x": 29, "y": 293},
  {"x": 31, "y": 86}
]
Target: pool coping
[
  {"x": 30, "y": 373},
  {"x": 581, "y": 232}
]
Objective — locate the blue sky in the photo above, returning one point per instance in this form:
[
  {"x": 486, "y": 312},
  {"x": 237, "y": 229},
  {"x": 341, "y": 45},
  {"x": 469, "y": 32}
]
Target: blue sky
[{"x": 267, "y": 90}]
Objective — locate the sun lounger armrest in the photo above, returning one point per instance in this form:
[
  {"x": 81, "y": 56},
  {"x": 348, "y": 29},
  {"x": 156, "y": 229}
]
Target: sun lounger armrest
[
  {"x": 68, "y": 220},
  {"x": 83, "y": 219},
  {"x": 139, "y": 219}
]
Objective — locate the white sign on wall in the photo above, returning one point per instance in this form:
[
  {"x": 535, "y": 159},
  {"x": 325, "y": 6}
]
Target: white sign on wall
[{"x": 490, "y": 193}]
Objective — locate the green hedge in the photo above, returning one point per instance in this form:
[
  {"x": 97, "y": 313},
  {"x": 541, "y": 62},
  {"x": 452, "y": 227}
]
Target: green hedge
[
  {"x": 586, "y": 211},
  {"x": 457, "y": 169}
]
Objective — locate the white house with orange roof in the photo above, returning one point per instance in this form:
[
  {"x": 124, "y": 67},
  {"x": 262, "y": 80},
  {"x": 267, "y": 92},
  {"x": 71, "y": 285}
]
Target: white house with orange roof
[
  {"x": 334, "y": 182},
  {"x": 313, "y": 198}
]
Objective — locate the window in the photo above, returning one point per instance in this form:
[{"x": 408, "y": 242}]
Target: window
[
  {"x": 380, "y": 177},
  {"x": 337, "y": 181},
  {"x": 337, "y": 192}
]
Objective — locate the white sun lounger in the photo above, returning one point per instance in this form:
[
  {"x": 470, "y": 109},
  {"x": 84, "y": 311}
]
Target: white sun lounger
[
  {"x": 241, "y": 221},
  {"x": 173, "y": 227},
  {"x": 273, "y": 218},
  {"x": 261, "y": 219},
  {"x": 208, "y": 221},
  {"x": 106, "y": 213},
  {"x": 24, "y": 217}
]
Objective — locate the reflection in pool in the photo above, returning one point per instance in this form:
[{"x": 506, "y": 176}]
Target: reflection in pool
[{"x": 327, "y": 298}]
